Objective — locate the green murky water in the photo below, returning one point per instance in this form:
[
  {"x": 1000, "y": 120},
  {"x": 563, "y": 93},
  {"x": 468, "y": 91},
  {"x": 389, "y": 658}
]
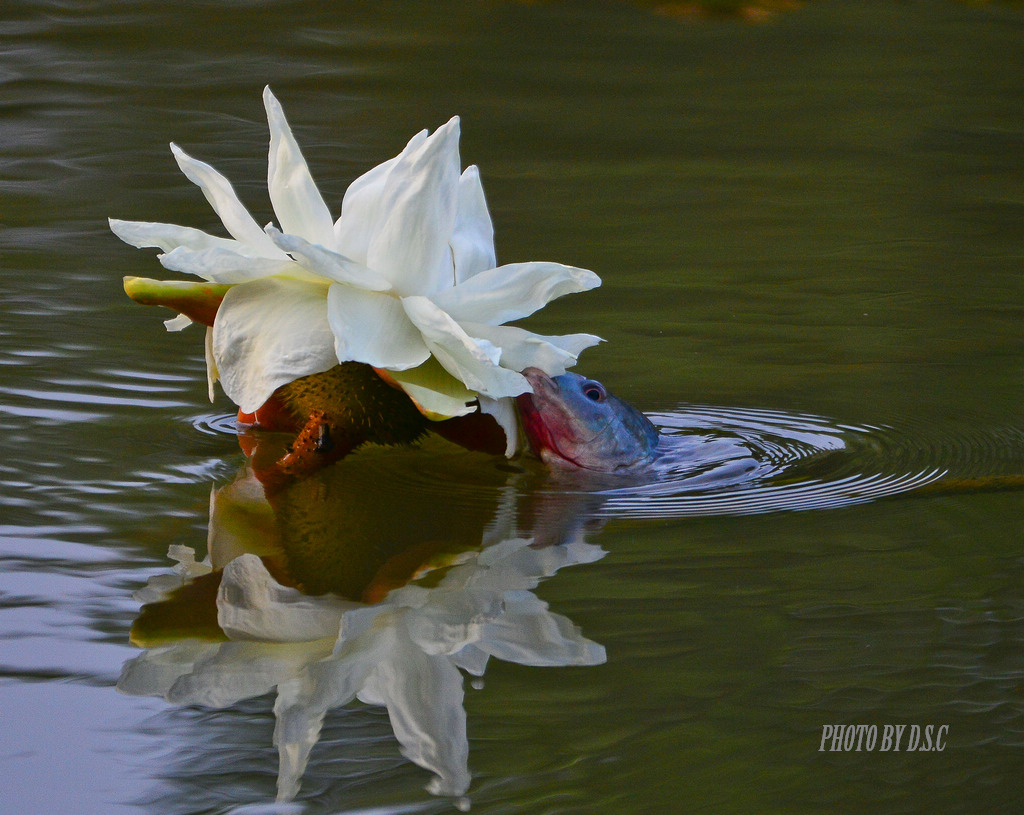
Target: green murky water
[{"x": 810, "y": 234}]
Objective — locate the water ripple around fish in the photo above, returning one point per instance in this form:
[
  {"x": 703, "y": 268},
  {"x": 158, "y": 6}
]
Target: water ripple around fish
[
  {"x": 713, "y": 461},
  {"x": 732, "y": 461}
]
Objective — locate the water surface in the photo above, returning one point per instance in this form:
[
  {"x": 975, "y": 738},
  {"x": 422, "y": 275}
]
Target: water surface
[{"x": 810, "y": 238}]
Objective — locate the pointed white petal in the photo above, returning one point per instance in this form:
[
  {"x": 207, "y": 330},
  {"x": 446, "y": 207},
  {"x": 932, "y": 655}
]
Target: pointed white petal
[
  {"x": 515, "y": 565},
  {"x": 211, "y": 366},
  {"x": 473, "y": 361},
  {"x": 424, "y": 698},
  {"x": 523, "y": 349},
  {"x": 268, "y": 333},
  {"x": 529, "y": 634},
  {"x": 473, "y": 238},
  {"x": 513, "y": 291},
  {"x": 324, "y": 262},
  {"x": 574, "y": 344},
  {"x": 373, "y": 328},
  {"x": 472, "y": 660},
  {"x": 297, "y": 202},
  {"x": 222, "y": 198},
  {"x": 143, "y": 235},
  {"x": 418, "y": 204},
  {"x": 182, "y": 321},
  {"x": 361, "y": 211},
  {"x": 435, "y": 392},
  {"x": 504, "y": 413},
  {"x": 224, "y": 266},
  {"x": 296, "y": 731}
]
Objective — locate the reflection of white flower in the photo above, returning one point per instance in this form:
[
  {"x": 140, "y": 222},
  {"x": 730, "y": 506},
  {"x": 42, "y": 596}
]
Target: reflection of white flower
[
  {"x": 404, "y": 281},
  {"x": 403, "y": 653}
]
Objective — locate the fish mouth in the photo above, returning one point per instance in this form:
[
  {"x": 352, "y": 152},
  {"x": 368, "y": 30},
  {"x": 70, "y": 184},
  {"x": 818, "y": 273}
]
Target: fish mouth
[
  {"x": 539, "y": 381},
  {"x": 544, "y": 427}
]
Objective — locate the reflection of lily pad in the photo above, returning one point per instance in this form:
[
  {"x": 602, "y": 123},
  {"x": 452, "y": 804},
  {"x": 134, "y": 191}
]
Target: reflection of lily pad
[
  {"x": 358, "y": 405},
  {"x": 189, "y": 611},
  {"x": 338, "y": 533}
]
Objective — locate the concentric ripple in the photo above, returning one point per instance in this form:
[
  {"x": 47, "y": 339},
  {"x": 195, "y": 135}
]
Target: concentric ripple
[
  {"x": 724, "y": 461},
  {"x": 216, "y": 424}
]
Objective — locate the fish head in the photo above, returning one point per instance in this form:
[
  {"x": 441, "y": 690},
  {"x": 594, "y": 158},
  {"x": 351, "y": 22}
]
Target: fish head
[{"x": 573, "y": 422}]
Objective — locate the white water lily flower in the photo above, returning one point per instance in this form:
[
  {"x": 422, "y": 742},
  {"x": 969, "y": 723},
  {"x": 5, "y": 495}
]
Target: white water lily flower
[{"x": 405, "y": 280}]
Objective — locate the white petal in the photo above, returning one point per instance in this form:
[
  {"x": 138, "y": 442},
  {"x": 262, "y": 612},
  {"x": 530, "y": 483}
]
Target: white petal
[
  {"x": 523, "y": 349},
  {"x": 211, "y": 365},
  {"x": 504, "y": 413},
  {"x": 297, "y": 202},
  {"x": 225, "y": 266},
  {"x": 324, "y": 262},
  {"x": 574, "y": 344},
  {"x": 336, "y": 681},
  {"x": 143, "y": 234},
  {"x": 424, "y": 699},
  {"x": 243, "y": 670},
  {"x": 513, "y": 291},
  {"x": 361, "y": 211},
  {"x": 269, "y": 333},
  {"x": 451, "y": 620},
  {"x": 182, "y": 321},
  {"x": 155, "y": 671},
  {"x": 473, "y": 238},
  {"x": 515, "y": 565},
  {"x": 160, "y": 586},
  {"x": 373, "y": 328},
  {"x": 473, "y": 361},
  {"x": 433, "y": 390},
  {"x": 528, "y": 634},
  {"x": 418, "y": 202},
  {"x": 222, "y": 198},
  {"x": 296, "y": 731},
  {"x": 252, "y": 605},
  {"x": 472, "y": 660}
]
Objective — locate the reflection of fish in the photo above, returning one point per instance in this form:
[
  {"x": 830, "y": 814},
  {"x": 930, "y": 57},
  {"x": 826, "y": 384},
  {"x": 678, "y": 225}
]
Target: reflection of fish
[{"x": 573, "y": 422}]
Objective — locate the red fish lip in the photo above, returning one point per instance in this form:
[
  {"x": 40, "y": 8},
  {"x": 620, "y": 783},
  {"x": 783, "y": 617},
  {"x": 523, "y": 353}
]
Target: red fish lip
[
  {"x": 542, "y": 430},
  {"x": 533, "y": 423}
]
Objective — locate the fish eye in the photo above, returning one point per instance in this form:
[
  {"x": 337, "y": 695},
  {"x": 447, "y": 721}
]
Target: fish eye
[{"x": 594, "y": 391}]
